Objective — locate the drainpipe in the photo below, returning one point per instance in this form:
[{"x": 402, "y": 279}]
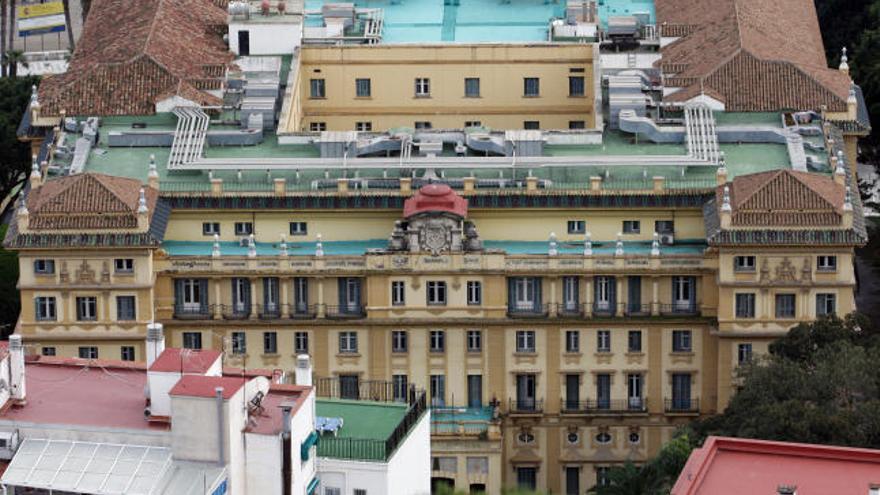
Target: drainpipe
[
  {"x": 286, "y": 454},
  {"x": 221, "y": 440}
]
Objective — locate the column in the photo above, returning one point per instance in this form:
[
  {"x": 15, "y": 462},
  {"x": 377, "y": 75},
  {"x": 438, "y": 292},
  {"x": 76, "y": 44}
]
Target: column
[
  {"x": 588, "y": 305},
  {"x": 621, "y": 300},
  {"x": 254, "y": 299},
  {"x": 321, "y": 309},
  {"x": 553, "y": 299},
  {"x": 218, "y": 298},
  {"x": 284, "y": 295}
]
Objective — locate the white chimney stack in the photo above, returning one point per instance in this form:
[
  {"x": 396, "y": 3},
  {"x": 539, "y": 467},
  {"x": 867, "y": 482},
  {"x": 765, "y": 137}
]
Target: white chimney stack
[
  {"x": 303, "y": 370},
  {"x": 155, "y": 342},
  {"x": 16, "y": 368}
]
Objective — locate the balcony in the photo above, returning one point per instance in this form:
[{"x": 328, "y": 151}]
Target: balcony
[
  {"x": 235, "y": 311},
  {"x": 269, "y": 311},
  {"x": 632, "y": 405},
  {"x": 687, "y": 308},
  {"x": 345, "y": 312},
  {"x": 530, "y": 311},
  {"x": 636, "y": 310},
  {"x": 604, "y": 309},
  {"x": 682, "y": 406},
  {"x": 526, "y": 406},
  {"x": 193, "y": 312},
  {"x": 569, "y": 310},
  {"x": 303, "y": 311},
  {"x": 461, "y": 422}
]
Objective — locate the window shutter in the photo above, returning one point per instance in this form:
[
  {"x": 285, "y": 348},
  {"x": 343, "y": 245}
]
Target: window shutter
[
  {"x": 341, "y": 284},
  {"x": 37, "y": 314},
  {"x": 203, "y": 294},
  {"x": 596, "y": 289},
  {"x": 692, "y": 291},
  {"x": 178, "y": 292},
  {"x": 511, "y": 293},
  {"x": 537, "y": 283},
  {"x": 266, "y": 282},
  {"x": 612, "y": 293}
]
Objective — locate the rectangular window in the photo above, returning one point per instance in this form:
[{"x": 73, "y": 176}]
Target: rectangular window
[
  {"x": 192, "y": 340},
  {"x": 744, "y": 353},
  {"x": 299, "y": 228},
  {"x": 474, "y": 340},
  {"x": 826, "y": 263},
  {"x": 743, "y": 263},
  {"x": 527, "y": 478},
  {"x": 301, "y": 342},
  {"x": 634, "y": 385},
  {"x": 524, "y": 294},
  {"x": 423, "y": 87},
  {"x": 745, "y": 305},
  {"x": 363, "y": 126},
  {"x": 438, "y": 341},
  {"x": 473, "y": 123},
  {"x": 603, "y": 391},
  {"x": 399, "y": 341},
  {"x": 570, "y": 294},
  {"x": 398, "y": 293},
  {"x": 210, "y": 228},
  {"x": 45, "y": 308},
  {"x": 572, "y": 341},
  {"x": 572, "y": 392},
  {"x": 664, "y": 226},
  {"x": 826, "y": 304},
  {"x": 446, "y": 464},
  {"x": 681, "y": 341},
  {"x": 270, "y": 342},
  {"x": 348, "y": 342},
  {"x": 300, "y": 295},
  {"x": 532, "y": 125},
  {"x": 86, "y": 308},
  {"x": 317, "y": 126},
  {"x": 525, "y": 341},
  {"x": 603, "y": 341},
  {"x": 123, "y": 265},
  {"x": 602, "y": 478},
  {"x": 422, "y": 124},
  {"x": 577, "y": 226},
  {"x": 576, "y": 86},
  {"x": 475, "y": 391},
  {"x": 604, "y": 294},
  {"x": 472, "y": 87},
  {"x": 572, "y": 480},
  {"x": 681, "y": 392},
  {"x": 48, "y": 351},
  {"x": 684, "y": 294},
  {"x": 576, "y": 124},
  {"x": 438, "y": 390},
  {"x": 474, "y": 293},
  {"x": 478, "y": 465},
  {"x": 317, "y": 88},
  {"x": 436, "y": 293},
  {"x": 239, "y": 343},
  {"x": 244, "y": 228},
  {"x": 349, "y": 387},
  {"x": 531, "y": 86},
  {"x": 360, "y": 491},
  {"x": 363, "y": 88},
  {"x": 125, "y": 308},
  {"x": 88, "y": 352},
  {"x": 44, "y": 267},
  {"x": 632, "y": 226},
  {"x": 127, "y": 353},
  {"x": 332, "y": 490},
  {"x": 785, "y": 305},
  {"x": 634, "y": 341},
  {"x": 399, "y": 386}
]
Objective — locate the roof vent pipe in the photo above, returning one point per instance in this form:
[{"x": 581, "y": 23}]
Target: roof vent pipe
[
  {"x": 16, "y": 368},
  {"x": 221, "y": 440}
]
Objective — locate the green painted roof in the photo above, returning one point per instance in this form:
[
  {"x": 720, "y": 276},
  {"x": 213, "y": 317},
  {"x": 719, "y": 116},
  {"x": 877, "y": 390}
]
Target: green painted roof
[{"x": 362, "y": 419}]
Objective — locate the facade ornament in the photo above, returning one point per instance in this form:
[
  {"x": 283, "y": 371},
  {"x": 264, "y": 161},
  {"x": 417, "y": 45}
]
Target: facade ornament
[
  {"x": 807, "y": 271},
  {"x": 142, "y": 202},
  {"x": 655, "y": 245},
  {"x": 319, "y": 246},
  {"x": 252, "y": 247},
  {"x": 847, "y": 200},
  {"x": 725, "y": 200},
  {"x": 283, "y": 247},
  {"x": 588, "y": 244},
  {"x": 65, "y": 274},
  {"x": 35, "y": 100},
  {"x": 618, "y": 249},
  {"x": 785, "y": 271},
  {"x": 85, "y": 274},
  {"x": 215, "y": 251},
  {"x": 553, "y": 250},
  {"x": 765, "y": 271},
  {"x": 844, "y": 61},
  {"x": 105, "y": 271}
]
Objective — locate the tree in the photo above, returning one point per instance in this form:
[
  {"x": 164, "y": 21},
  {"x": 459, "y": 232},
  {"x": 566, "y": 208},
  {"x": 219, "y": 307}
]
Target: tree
[
  {"x": 655, "y": 477},
  {"x": 3, "y": 35},
  {"x": 9, "y": 297},
  {"x": 15, "y": 156},
  {"x": 12, "y": 59}
]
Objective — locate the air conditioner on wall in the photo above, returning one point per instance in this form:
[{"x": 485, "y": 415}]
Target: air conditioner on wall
[{"x": 667, "y": 239}]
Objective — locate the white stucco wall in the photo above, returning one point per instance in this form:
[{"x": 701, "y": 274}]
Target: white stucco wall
[
  {"x": 302, "y": 425},
  {"x": 160, "y": 383},
  {"x": 349, "y": 475},
  {"x": 263, "y": 464},
  {"x": 409, "y": 471},
  {"x": 273, "y": 38}
]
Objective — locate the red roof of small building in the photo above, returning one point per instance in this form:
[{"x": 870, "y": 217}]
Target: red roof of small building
[
  {"x": 737, "y": 466},
  {"x": 176, "y": 360},
  {"x": 205, "y": 386},
  {"x": 435, "y": 198},
  {"x": 268, "y": 420}
]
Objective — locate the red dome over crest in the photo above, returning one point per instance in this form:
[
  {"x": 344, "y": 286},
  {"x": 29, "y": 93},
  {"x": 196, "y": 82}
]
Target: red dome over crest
[{"x": 435, "y": 198}]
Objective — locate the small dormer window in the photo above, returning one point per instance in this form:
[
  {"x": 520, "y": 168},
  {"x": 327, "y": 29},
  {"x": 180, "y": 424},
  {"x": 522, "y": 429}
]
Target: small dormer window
[
  {"x": 44, "y": 267},
  {"x": 124, "y": 265},
  {"x": 826, "y": 263}
]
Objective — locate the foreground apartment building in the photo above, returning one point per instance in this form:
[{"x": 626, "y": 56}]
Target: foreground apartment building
[{"x": 568, "y": 222}]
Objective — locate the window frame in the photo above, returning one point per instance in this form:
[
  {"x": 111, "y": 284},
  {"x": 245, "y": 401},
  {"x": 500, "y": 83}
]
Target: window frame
[
  {"x": 474, "y": 337},
  {"x": 467, "y": 88},
  {"x": 132, "y": 316},
  {"x": 829, "y": 298},
  {"x": 682, "y": 341},
  {"x": 826, "y": 263},
  {"x": 243, "y": 228},
  {"x": 86, "y": 308},
  {"x": 437, "y": 341},
  {"x": 603, "y": 341},
  {"x": 793, "y": 306},
  {"x": 361, "y": 83},
  {"x": 577, "y": 226},
  {"x": 474, "y": 294},
  {"x": 211, "y": 228},
  {"x": 744, "y": 352},
  {"x": 348, "y": 342},
  {"x": 317, "y": 126},
  {"x": 127, "y": 349},
  {"x": 748, "y": 299},
  {"x": 90, "y": 350},
  {"x": 531, "y": 87},
  {"x": 298, "y": 228},
  {"x": 363, "y": 126},
  {"x": 526, "y": 342},
  {"x": 46, "y": 308},
  {"x": 573, "y": 90},
  {"x": 635, "y": 227},
  {"x": 123, "y": 265},
  {"x": 192, "y": 340},
  {"x": 317, "y": 88},
  {"x": 573, "y": 341},
  {"x": 300, "y": 338},
  {"x": 239, "y": 343},
  {"x": 436, "y": 293},
  {"x": 270, "y": 342},
  {"x": 629, "y": 341},
  {"x": 745, "y": 263},
  {"x": 399, "y": 341},
  {"x": 422, "y": 87},
  {"x": 44, "y": 266},
  {"x": 398, "y": 293},
  {"x": 532, "y": 125}
]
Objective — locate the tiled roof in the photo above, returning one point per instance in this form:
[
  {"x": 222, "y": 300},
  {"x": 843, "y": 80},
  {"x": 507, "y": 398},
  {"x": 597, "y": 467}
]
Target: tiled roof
[
  {"x": 435, "y": 198},
  {"x": 204, "y": 386},
  {"x": 757, "y": 55},
  {"x": 87, "y": 202},
  {"x": 784, "y": 198},
  {"x": 133, "y": 54},
  {"x": 177, "y": 360}
]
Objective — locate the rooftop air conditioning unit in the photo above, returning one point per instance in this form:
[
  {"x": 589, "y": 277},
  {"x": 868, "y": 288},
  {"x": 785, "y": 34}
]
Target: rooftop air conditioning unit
[
  {"x": 667, "y": 239},
  {"x": 244, "y": 242},
  {"x": 8, "y": 444}
]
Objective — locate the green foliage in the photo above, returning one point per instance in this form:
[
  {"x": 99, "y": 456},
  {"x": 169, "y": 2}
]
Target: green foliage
[
  {"x": 657, "y": 476},
  {"x": 9, "y": 298},
  {"x": 15, "y": 156}
]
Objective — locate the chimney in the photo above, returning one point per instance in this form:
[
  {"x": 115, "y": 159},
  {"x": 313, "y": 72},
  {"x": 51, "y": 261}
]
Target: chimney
[
  {"x": 35, "y": 105},
  {"x": 221, "y": 437},
  {"x": 16, "y": 368},
  {"x": 303, "y": 370},
  {"x": 155, "y": 342},
  {"x": 36, "y": 177},
  {"x": 153, "y": 174},
  {"x": 786, "y": 490},
  {"x": 844, "y": 62},
  {"x": 847, "y": 218},
  {"x": 143, "y": 213},
  {"x": 852, "y": 104},
  {"x": 23, "y": 217},
  {"x": 726, "y": 209}
]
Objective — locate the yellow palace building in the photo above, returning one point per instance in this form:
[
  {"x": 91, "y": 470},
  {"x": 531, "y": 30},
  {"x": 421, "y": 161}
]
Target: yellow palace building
[{"x": 566, "y": 229}]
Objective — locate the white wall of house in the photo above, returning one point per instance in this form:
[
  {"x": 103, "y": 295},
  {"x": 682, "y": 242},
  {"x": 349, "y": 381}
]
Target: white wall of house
[
  {"x": 274, "y": 38},
  {"x": 263, "y": 453},
  {"x": 409, "y": 469}
]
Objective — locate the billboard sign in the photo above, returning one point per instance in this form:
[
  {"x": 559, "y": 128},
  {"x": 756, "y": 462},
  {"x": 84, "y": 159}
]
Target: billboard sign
[{"x": 40, "y": 18}]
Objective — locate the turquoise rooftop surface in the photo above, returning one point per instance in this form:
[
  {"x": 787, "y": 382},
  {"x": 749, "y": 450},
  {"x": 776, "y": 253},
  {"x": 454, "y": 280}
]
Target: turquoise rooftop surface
[{"x": 357, "y": 248}]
